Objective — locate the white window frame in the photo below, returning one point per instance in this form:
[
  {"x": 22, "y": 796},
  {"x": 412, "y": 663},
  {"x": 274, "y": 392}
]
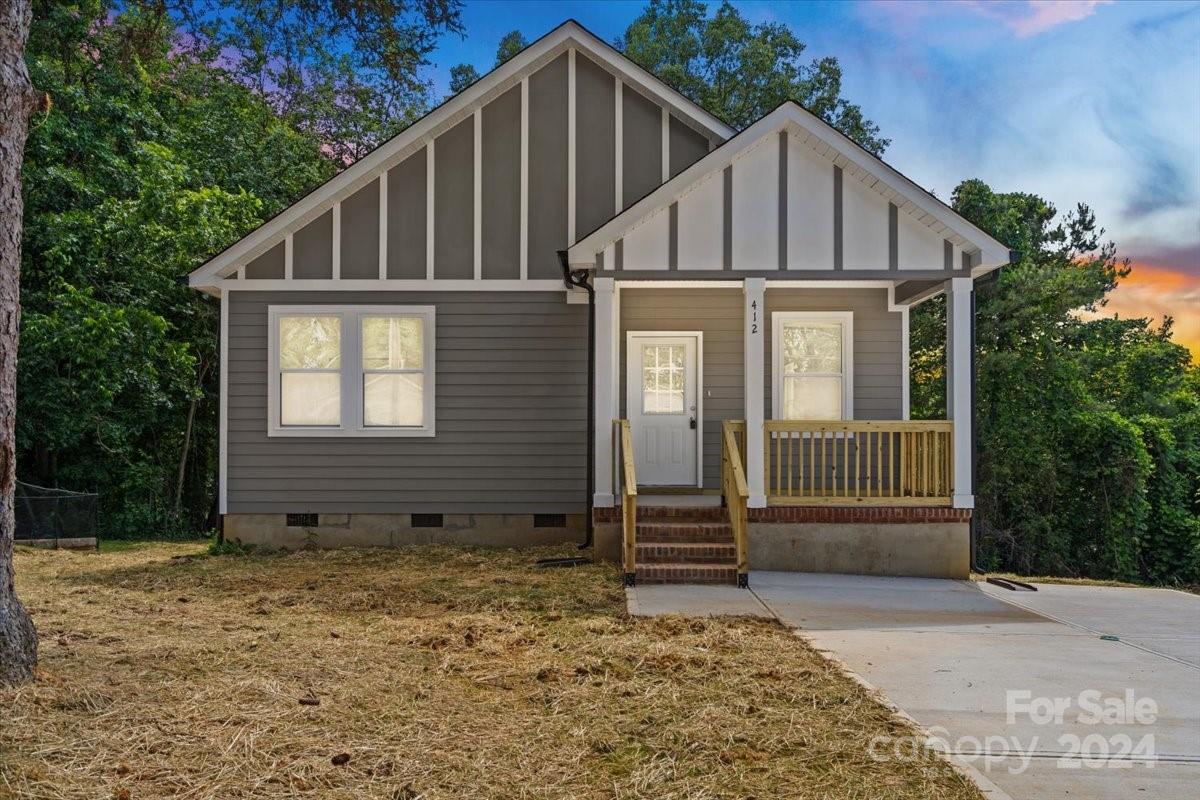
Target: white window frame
[
  {"x": 846, "y": 318},
  {"x": 351, "y": 371}
]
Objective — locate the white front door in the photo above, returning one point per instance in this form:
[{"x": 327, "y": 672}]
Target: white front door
[{"x": 661, "y": 402}]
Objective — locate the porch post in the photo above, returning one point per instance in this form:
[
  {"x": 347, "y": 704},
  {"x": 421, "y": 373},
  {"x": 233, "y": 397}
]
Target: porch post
[
  {"x": 606, "y": 371},
  {"x": 958, "y": 384},
  {"x": 754, "y": 321}
]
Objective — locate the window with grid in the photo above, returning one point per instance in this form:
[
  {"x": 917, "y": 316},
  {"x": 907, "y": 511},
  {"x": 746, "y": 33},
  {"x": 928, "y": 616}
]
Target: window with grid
[
  {"x": 351, "y": 371},
  {"x": 812, "y": 375},
  {"x": 663, "y": 378},
  {"x": 310, "y": 373}
]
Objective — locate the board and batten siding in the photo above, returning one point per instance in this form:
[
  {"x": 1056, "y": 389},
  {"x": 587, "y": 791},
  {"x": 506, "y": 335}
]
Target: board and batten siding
[
  {"x": 717, "y": 313},
  {"x": 511, "y": 413},
  {"x": 773, "y": 205},
  {"x": 878, "y": 335},
  {"x": 527, "y": 167}
]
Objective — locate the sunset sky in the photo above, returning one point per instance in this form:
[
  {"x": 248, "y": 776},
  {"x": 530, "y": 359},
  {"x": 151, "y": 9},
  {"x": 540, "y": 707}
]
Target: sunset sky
[{"x": 1089, "y": 101}]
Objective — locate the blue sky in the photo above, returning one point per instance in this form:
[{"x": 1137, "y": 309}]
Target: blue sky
[{"x": 1076, "y": 101}]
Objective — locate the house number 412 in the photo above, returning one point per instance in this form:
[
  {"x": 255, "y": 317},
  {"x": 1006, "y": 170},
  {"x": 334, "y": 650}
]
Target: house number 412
[{"x": 753, "y": 316}]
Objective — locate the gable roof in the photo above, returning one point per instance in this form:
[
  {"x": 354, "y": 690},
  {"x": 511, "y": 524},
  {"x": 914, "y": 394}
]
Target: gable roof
[
  {"x": 570, "y": 34},
  {"x": 827, "y": 141}
]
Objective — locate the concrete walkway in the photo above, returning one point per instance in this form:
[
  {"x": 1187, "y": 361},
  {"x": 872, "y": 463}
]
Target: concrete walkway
[{"x": 981, "y": 667}]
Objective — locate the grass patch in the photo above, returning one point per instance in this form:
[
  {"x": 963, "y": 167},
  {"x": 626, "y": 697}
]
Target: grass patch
[
  {"x": 1082, "y": 581},
  {"x": 432, "y": 672}
]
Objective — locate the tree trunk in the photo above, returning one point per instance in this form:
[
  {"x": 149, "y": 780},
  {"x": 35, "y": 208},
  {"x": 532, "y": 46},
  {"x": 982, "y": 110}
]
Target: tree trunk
[
  {"x": 183, "y": 454},
  {"x": 18, "y": 639}
]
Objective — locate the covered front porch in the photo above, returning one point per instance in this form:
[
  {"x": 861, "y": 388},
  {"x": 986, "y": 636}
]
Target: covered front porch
[{"x": 864, "y": 489}]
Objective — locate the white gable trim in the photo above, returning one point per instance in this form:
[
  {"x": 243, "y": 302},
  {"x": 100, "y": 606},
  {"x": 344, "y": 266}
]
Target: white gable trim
[
  {"x": 568, "y": 36},
  {"x": 825, "y": 140}
]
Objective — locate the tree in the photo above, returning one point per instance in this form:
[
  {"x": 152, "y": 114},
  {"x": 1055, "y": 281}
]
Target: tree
[
  {"x": 738, "y": 71},
  {"x": 462, "y": 76},
  {"x": 151, "y": 159},
  {"x": 347, "y": 72},
  {"x": 1088, "y": 429},
  {"x": 18, "y": 102},
  {"x": 511, "y": 43}
]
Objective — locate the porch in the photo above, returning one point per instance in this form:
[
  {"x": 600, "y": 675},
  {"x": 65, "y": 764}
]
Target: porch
[{"x": 869, "y": 490}]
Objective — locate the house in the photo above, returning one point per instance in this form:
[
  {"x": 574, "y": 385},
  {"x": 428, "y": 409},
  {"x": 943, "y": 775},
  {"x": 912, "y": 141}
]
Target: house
[{"x": 405, "y": 351}]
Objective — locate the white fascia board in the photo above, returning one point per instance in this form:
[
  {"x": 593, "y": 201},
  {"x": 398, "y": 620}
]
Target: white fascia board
[
  {"x": 455, "y": 109},
  {"x": 839, "y": 149}
]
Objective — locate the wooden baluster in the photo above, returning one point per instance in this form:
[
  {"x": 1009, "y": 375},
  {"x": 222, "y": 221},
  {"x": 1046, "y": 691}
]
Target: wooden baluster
[
  {"x": 858, "y": 491},
  {"x": 845, "y": 463},
  {"x": 788, "y": 463}
]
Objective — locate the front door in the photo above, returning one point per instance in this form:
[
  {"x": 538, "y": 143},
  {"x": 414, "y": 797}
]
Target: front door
[{"x": 661, "y": 402}]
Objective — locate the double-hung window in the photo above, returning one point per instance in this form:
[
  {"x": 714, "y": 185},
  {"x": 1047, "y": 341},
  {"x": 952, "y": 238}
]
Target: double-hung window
[
  {"x": 813, "y": 376},
  {"x": 350, "y": 371}
]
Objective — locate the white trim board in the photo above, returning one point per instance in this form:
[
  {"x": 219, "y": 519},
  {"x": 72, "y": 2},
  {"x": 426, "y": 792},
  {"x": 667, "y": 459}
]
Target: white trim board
[
  {"x": 394, "y": 285},
  {"x": 566, "y": 36}
]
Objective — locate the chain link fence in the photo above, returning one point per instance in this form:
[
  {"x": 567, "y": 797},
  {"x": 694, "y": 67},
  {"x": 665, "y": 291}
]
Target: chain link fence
[{"x": 55, "y": 517}]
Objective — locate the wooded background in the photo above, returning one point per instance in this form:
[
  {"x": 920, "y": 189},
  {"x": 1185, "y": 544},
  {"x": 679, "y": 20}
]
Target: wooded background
[{"x": 177, "y": 127}]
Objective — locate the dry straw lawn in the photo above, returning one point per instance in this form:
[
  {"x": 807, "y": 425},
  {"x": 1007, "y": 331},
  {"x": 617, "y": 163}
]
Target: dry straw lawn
[{"x": 430, "y": 672}]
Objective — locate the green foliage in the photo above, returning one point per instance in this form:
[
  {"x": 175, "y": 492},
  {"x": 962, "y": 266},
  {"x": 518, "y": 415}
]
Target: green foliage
[
  {"x": 230, "y": 547},
  {"x": 511, "y": 43},
  {"x": 462, "y": 76},
  {"x": 739, "y": 71},
  {"x": 348, "y": 73},
  {"x": 1089, "y": 455},
  {"x": 149, "y": 160}
]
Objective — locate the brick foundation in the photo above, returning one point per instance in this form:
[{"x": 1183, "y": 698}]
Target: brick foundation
[
  {"x": 854, "y": 515},
  {"x": 846, "y": 515}
]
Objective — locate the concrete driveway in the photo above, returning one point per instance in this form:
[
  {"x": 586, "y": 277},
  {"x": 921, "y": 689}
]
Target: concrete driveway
[{"x": 1067, "y": 692}]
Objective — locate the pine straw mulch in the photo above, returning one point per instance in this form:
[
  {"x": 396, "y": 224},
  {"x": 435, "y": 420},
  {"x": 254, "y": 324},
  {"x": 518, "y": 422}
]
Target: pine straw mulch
[{"x": 431, "y": 672}]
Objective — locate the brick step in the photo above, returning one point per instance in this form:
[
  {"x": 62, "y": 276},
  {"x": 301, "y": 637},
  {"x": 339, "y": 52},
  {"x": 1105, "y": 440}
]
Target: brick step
[
  {"x": 685, "y": 532},
  {"x": 682, "y": 514},
  {"x": 686, "y": 553},
  {"x": 687, "y": 573}
]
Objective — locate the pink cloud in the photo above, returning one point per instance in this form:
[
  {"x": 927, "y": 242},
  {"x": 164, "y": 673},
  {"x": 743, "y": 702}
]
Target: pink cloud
[
  {"x": 1035, "y": 16},
  {"x": 1024, "y": 18}
]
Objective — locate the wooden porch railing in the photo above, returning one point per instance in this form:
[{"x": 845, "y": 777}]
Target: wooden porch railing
[
  {"x": 733, "y": 487},
  {"x": 627, "y": 489},
  {"x": 858, "y": 462}
]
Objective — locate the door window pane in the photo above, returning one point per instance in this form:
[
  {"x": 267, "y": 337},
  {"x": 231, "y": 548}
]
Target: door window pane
[{"x": 663, "y": 378}]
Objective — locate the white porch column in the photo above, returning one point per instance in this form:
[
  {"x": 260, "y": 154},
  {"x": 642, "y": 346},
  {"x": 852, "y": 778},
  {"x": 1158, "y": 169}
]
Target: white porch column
[
  {"x": 754, "y": 323},
  {"x": 958, "y": 385},
  {"x": 607, "y": 355}
]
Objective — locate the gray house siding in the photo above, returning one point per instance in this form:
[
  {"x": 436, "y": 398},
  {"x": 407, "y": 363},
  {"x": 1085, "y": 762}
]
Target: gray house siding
[
  {"x": 718, "y": 314},
  {"x": 511, "y": 407},
  {"x": 407, "y": 206},
  {"x": 877, "y": 344},
  {"x": 360, "y": 233},
  {"x": 641, "y": 122},
  {"x": 547, "y": 168},
  {"x": 595, "y": 129},
  {"x": 454, "y": 202},
  {"x": 268, "y": 265},
  {"x": 312, "y": 249},
  {"x": 501, "y": 186}
]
